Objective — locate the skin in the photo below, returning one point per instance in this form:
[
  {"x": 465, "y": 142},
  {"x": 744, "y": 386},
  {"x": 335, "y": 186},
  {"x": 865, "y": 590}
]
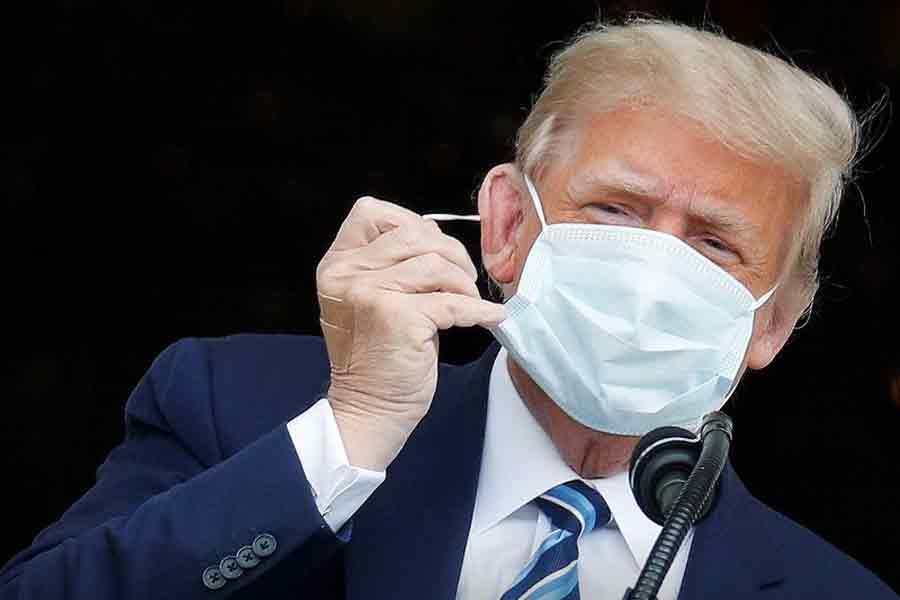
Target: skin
[{"x": 646, "y": 167}]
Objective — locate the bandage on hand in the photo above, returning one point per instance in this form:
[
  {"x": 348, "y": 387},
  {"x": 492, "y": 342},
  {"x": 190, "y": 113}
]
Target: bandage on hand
[{"x": 336, "y": 320}]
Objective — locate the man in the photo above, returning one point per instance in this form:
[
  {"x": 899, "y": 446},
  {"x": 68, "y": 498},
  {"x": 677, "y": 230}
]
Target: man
[{"x": 657, "y": 235}]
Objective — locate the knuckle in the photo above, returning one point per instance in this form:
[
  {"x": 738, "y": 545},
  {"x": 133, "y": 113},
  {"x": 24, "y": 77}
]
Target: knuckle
[
  {"x": 442, "y": 320},
  {"x": 451, "y": 306},
  {"x": 457, "y": 245},
  {"x": 460, "y": 249},
  {"x": 365, "y": 204},
  {"x": 471, "y": 288},
  {"x": 324, "y": 269},
  {"x": 430, "y": 263},
  {"x": 432, "y": 227},
  {"x": 409, "y": 237},
  {"x": 331, "y": 270},
  {"x": 446, "y": 311}
]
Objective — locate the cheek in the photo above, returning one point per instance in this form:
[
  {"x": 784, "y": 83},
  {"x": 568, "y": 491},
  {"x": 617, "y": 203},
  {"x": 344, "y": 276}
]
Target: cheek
[{"x": 766, "y": 339}]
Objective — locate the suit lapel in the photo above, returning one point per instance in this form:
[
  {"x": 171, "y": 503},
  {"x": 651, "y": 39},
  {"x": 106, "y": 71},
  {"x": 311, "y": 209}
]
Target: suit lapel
[
  {"x": 409, "y": 538},
  {"x": 733, "y": 555}
]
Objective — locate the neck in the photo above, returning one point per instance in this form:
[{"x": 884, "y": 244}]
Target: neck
[{"x": 588, "y": 452}]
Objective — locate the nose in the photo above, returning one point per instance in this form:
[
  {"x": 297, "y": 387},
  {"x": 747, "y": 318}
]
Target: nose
[{"x": 667, "y": 221}]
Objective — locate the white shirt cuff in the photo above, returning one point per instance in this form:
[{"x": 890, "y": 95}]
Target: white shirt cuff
[{"x": 339, "y": 488}]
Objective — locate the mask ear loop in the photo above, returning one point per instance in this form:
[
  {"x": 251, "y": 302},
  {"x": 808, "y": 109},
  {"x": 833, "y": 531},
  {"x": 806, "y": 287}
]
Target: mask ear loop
[
  {"x": 449, "y": 217},
  {"x": 763, "y": 299},
  {"x": 532, "y": 192},
  {"x": 536, "y": 201}
]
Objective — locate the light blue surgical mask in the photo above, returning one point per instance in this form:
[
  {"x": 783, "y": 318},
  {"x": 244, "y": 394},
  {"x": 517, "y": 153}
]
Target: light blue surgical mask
[{"x": 626, "y": 329}]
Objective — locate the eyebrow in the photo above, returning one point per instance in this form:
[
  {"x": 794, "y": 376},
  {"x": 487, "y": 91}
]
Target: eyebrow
[{"x": 622, "y": 180}]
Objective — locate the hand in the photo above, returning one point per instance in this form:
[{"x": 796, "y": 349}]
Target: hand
[{"x": 387, "y": 284}]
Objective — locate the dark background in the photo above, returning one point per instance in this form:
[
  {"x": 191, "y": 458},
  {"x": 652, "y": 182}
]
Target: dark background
[{"x": 177, "y": 169}]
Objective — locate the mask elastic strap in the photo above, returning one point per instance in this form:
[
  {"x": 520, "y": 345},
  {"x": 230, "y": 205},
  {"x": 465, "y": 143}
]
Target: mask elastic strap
[
  {"x": 763, "y": 299},
  {"x": 449, "y": 217},
  {"x": 536, "y": 200}
]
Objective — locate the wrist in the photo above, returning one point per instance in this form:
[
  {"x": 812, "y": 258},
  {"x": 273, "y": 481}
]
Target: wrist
[{"x": 371, "y": 439}]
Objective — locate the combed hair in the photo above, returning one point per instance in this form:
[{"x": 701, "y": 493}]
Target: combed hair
[{"x": 753, "y": 102}]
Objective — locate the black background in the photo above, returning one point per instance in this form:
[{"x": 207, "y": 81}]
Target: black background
[{"x": 177, "y": 169}]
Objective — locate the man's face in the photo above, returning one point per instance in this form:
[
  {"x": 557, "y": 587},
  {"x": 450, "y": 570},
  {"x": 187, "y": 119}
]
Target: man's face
[{"x": 650, "y": 168}]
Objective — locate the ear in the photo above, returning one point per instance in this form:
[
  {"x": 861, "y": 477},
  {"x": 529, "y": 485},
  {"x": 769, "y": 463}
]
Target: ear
[
  {"x": 772, "y": 327},
  {"x": 501, "y": 205}
]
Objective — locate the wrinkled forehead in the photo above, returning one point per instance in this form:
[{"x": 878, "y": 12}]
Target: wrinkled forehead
[{"x": 656, "y": 154}]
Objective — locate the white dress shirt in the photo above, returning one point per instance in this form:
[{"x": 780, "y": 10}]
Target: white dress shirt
[
  {"x": 339, "y": 489},
  {"x": 519, "y": 463}
]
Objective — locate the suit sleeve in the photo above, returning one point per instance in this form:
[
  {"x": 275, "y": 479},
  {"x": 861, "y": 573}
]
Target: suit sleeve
[{"x": 168, "y": 505}]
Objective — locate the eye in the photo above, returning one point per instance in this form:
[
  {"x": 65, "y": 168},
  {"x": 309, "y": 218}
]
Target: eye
[
  {"x": 615, "y": 214},
  {"x": 611, "y": 209},
  {"x": 716, "y": 245},
  {"x": 719, "y": 251}
]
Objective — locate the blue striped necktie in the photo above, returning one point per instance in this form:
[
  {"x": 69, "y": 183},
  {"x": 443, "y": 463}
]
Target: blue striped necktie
[{"x": 573, "y": 508}]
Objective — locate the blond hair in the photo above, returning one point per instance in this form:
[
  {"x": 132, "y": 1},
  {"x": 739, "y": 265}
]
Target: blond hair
[{"x": 753, "y": 102}]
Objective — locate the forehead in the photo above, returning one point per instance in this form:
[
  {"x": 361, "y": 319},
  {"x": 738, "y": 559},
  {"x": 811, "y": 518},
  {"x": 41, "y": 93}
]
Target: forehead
[{"x": 657, "y": 153}]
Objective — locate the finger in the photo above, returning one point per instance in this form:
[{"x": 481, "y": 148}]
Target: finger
[
  {"x": 408, "y": 241},
  {"x": 448, "y": 310},
  {"x": 426, "y": 273},
  {"x": 368, "y": 219}
]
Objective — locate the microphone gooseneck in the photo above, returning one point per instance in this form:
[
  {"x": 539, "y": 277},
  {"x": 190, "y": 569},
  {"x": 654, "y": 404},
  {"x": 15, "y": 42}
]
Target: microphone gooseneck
[{"x": 655, "y": 488}]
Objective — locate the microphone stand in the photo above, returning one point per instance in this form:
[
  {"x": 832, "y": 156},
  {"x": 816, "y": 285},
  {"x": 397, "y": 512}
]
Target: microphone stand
[{"x": 716, "y": 434}]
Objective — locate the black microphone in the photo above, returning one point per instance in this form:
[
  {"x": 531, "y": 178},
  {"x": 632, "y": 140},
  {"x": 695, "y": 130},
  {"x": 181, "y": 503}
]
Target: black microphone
[
  {"x": 660, "y": 466},
  {"x": 674, "y": 476}
]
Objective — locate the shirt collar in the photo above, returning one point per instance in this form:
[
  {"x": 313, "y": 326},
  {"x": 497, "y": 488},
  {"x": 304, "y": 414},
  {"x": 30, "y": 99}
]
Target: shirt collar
[{"x": 520, "y": 463}]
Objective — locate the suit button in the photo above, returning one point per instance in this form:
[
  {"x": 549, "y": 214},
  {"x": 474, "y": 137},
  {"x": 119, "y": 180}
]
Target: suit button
[
  {"x": 246, "y": 558},
  {"x": 264, "y": 545},
  {"x": 230, "y": 568},
  {"x": 212, "y": 578}
]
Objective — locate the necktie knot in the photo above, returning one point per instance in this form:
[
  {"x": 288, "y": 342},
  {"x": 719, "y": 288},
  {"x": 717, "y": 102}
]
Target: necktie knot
[{"x": 575, "y": 507}]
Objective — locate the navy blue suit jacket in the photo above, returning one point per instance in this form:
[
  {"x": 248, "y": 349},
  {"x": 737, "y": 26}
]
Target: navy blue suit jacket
[{"x": 207, "y": 464}]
